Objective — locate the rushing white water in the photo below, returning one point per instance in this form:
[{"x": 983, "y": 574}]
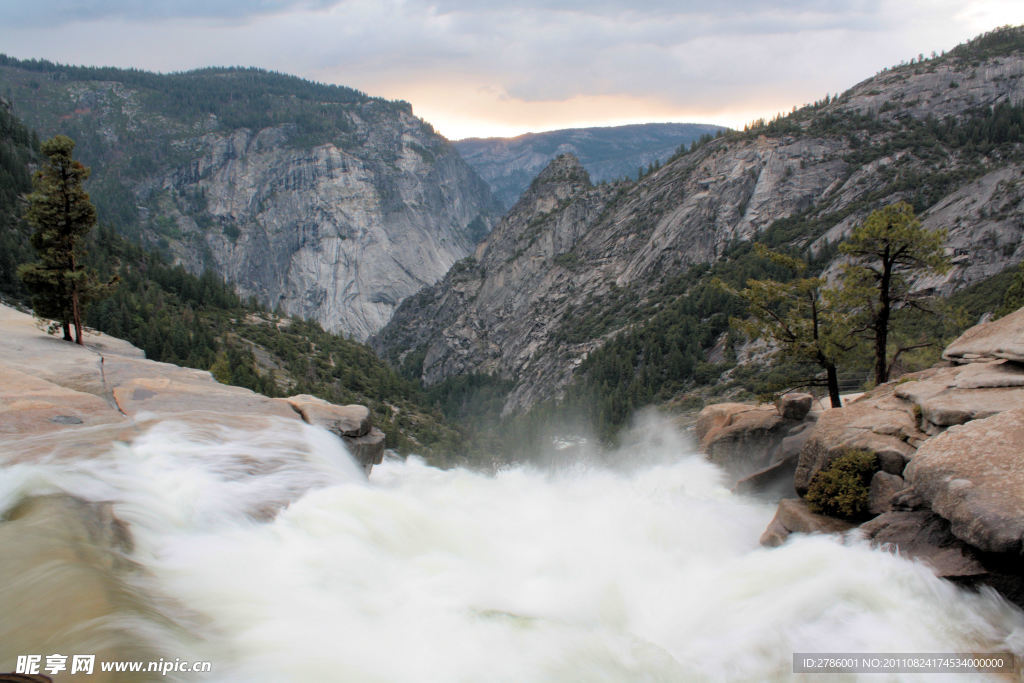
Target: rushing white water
[{"x": 651, "y": 573}]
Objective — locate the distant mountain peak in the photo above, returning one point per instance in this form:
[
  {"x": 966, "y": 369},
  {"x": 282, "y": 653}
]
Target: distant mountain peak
[
  {"x": 607, "y": 153},
  {"x": 565, "y": 168}
]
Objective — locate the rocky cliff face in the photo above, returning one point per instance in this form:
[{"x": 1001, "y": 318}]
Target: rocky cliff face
[
  {"x": 328, "y": 233},
  {"x": 567, "y": 247},
  {"x": 320, "y": 200},
  {"x": 609, "y": 153},
  {"x": 566, "y": 243},
  {"x": 494, "y": 310}
]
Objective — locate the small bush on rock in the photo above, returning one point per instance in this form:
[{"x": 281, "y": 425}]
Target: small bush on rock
[{"x": 841, "y": 489}]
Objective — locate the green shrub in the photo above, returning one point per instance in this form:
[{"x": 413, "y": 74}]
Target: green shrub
[{"x": 841, "y": 489}]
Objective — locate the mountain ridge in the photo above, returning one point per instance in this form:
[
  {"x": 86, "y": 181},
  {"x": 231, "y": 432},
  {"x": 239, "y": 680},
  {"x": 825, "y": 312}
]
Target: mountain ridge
[
  {"x": 607, "y": 152},
  {"x": 535, "y": 287}
]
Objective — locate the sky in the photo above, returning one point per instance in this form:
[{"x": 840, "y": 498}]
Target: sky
[{"x": 506, "y": 68}]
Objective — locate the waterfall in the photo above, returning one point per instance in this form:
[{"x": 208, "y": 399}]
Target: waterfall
[{"x": 266, "y": 552}]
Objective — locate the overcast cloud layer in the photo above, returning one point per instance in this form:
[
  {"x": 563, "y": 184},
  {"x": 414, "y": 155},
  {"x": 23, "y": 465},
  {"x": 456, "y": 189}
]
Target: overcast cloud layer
[{"x": 474, "y": 68}]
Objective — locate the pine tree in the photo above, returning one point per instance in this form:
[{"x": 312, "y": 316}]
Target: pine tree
[
  {"x": 886, "y": 249},
  {"x": 800, "y": 317},
  {"x": 61, "y": 214}
]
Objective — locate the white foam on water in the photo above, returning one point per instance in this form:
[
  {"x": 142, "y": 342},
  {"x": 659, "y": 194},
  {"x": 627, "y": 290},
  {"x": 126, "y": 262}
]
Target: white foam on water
[{"x": 301, "y": 570}]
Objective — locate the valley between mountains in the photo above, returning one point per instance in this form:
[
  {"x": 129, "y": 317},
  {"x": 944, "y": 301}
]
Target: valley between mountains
[{"x": 594, "y": 291}]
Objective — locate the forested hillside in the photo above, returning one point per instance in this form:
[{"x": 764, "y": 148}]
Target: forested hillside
[
  {"x": 316, "y": 199},
  {"x": 17, "y": 148}
]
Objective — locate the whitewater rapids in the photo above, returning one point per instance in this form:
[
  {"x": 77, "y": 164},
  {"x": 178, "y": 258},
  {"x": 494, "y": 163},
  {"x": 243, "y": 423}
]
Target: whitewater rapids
[{"x": 272, "y": 557}]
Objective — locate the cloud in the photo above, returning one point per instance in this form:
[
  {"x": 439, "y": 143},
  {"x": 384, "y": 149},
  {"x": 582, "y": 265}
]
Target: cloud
[
  {"x": 538, "y": 52},
  {"x": 22, "y": 13},
  {"x": 463, "y": 63}
]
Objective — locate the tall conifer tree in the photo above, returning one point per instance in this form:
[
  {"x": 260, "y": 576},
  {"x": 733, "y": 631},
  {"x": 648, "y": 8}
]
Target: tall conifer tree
[
  {"x": 885, "y": 251},
  {"x": 61, "y": 214},
  {"x": 799, "y": 316}
]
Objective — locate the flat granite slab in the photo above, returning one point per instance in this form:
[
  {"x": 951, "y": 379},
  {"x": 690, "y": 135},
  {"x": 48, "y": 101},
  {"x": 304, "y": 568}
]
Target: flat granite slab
[
  {"x": 50, "y": 385},
  {"x": 1002, "y": 338},
  {"x": 59, "y": 399}
]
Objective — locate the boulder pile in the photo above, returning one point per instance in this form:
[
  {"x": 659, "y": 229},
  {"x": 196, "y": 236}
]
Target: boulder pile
[{"x": 949, "y": 483}]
